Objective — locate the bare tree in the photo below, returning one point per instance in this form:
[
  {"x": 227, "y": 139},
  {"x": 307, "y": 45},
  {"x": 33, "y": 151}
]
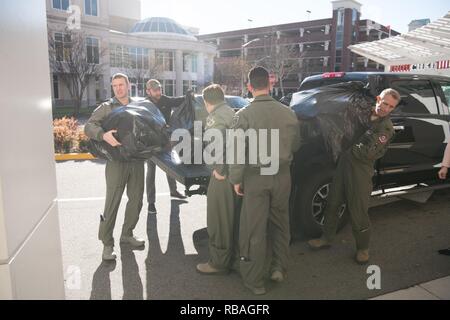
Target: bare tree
[
  {"x": 76, "y": 60},
  {"x": 140, "y": 75},
  {"x": 229, "y": 72},
  {"x": 281, "y": 59}
]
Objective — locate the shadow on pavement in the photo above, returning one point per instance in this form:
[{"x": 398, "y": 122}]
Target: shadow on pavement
[
  {"x": 161, "y": 277},
  {"x": 101, "y": 282},
  {"x": 132, "y": 283}
]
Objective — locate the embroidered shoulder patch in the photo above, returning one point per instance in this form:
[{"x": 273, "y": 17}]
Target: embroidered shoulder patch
[
  {"x": 210, "y": 122},
  {"x": 383, "y": 139},
  {"x": 235, "y": 121}
]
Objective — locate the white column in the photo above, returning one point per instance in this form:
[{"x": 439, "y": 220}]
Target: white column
[
  {"x": 179, "y": 73},
  {"x": 30, "y": 245},
  {"x": 200, "y": 70},
  {"x": 152, "y": 62}
]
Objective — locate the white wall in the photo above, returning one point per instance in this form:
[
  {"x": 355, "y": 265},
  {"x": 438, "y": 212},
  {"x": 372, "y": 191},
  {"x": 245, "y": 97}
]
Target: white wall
[
  {"x": 130, "y": 9},
  {"x": 30, "y": 249}
]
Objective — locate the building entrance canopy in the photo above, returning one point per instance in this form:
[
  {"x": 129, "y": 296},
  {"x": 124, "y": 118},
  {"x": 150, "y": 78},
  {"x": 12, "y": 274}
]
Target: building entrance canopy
[{"x": 424, "y": 49}]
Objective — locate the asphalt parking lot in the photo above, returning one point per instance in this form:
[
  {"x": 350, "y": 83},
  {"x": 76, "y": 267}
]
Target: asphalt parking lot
[{"x": 406, "y": 237}]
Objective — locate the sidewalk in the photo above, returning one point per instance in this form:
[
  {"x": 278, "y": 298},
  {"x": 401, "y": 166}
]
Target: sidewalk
[{"x": 434, "y": 290}]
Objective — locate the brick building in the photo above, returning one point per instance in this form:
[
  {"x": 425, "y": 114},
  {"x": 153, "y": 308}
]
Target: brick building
[{"x": 296, "y": 50}]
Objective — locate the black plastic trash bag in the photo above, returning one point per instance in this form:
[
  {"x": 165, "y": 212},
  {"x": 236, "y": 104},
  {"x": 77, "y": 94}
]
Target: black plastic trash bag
[
  {"x": 183, "y": 117},
  {"x": 339, "y": 112},
  {"x": 141, "y": 130}
]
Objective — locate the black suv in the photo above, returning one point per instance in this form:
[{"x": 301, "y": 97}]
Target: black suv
[{"x": 421, "y": 122}]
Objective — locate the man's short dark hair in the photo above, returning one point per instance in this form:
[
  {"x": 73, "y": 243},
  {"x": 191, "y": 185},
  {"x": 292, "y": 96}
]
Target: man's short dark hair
[
  {"x": 213, "y": 94},
  {"x": 259, "y": 78}
]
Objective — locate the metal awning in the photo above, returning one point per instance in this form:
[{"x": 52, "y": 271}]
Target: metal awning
[{"x": 425, "y": 44}]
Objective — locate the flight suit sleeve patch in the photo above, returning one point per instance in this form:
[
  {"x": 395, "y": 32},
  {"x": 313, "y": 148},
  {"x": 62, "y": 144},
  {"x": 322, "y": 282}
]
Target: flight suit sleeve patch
[
  {"x": 210, "y": 122},
  {"x": 235, "y": 122},
  {"x": 383, "y": 139}
]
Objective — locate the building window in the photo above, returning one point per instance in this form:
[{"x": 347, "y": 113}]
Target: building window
[
  {"x": 61, "y": 4},
  {"x": 354, "y": 16},
  {"x": 168, "y": 86},
  {"x": 90, "y": 8},
  {"x": 119, "y": 56},
  {"x": 165, "y": 59},
  {"x": 139, "y": 58},
  {"x": 340, "y": 17},
  {"x": 129, "y": 57},
  {"x": 185, "y": 86},
  {"x": 189, "y": 85},
  {"x": 339, "y": 38},
  {"x": 138, "y": 86},
  {"x": 92, "y": 47},
  {"x": 194, "y": 63},
  {"x": 63, "y": 46},
  {"x": 340, "y": 28},
  {"x": 186, "y": 62},
  {"x": 189, "y": 62},
  {"x": 55, "y": 87}
]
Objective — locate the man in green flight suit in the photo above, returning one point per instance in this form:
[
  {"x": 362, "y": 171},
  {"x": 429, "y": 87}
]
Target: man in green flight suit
[
  {"x": 221, "y": 200},
  {"x": 352, "y": 181},
  {"x": 118, "y": 175},
  {"x": 265, "y": 210}
]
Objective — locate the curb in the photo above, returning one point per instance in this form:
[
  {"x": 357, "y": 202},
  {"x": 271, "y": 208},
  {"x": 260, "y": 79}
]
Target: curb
[{"x": 73, "y": 156}]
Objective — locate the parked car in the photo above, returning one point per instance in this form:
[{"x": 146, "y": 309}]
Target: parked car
[
  {"x": 421, "y": 122},
  {"x": 234, "y": 102}
]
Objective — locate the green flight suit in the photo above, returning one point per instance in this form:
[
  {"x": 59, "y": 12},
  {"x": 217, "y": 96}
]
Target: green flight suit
[
  {"x": 352, "y": 182},
  {"x": 265, "y": 210},
  {"x": 118, "y": 176},
  {"x": 221, "y": 199}
]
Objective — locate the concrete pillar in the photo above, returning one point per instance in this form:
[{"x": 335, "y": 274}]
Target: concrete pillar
[
  {"x": 30, "y": 245},
  {"x": 179, "y": 73},
  {"x": 200, "y": 70},
  {"x": 152, "y": 63}
]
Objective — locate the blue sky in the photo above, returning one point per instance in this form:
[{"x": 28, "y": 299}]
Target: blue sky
[{"x": 215, "y": 16}]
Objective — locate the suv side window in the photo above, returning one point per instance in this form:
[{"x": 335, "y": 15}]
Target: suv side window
[
  {"x": 445, "y": 86},
  {"x": 417, "y": 97}
]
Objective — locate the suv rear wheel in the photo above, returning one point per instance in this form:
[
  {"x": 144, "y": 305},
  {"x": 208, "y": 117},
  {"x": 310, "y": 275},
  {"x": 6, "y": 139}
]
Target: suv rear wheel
[{"x": 310, "y": 202}]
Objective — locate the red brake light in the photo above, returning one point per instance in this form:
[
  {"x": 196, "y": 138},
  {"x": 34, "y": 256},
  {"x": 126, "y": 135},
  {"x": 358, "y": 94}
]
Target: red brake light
[{"x": 333, "y": 75}]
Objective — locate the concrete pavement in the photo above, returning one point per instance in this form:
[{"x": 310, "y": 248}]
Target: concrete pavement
[
  {"x": 406, "y": 237},
  {"x": 433, "y": 290}
]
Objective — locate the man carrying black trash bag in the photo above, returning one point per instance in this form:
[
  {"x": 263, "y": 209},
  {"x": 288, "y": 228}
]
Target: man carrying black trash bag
[
  {"x": 352, "y": 181},
  {"x": 165, "y": 105},
  {"x": 119, "y": 174}
]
